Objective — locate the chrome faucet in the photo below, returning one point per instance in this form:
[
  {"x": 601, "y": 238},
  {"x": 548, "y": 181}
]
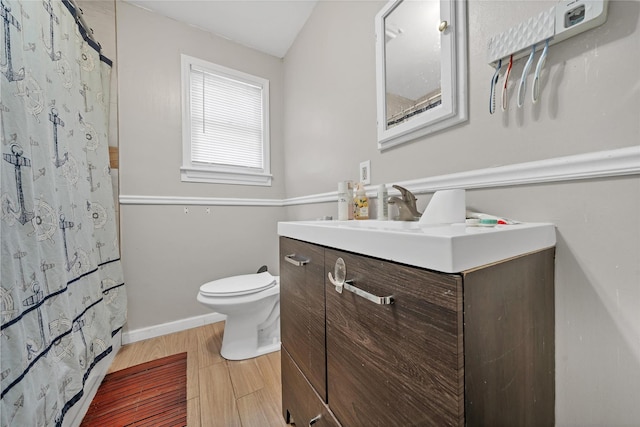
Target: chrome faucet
[{"x": 406, "y": 204}]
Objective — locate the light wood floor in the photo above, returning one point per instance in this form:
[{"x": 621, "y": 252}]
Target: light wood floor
[{"x": 222, "y": 393}]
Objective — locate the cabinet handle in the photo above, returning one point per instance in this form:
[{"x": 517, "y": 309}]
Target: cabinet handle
[
  {"x": 340, "y": 283},
  {"x": 348, "y": 285},
  {"x": 314, "y": 420},
  {"x": 296, "y": 260}
]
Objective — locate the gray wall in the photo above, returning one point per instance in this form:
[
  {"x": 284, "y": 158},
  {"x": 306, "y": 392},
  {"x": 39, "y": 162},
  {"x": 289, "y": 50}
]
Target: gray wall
[
  {"x": 323, "y": 126},
  {"x": 590, "y": 102},
  {"x": 168, "y": 254}
]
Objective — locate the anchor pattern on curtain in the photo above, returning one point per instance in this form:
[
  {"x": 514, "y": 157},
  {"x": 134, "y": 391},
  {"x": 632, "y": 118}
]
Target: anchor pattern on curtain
[{"x": 62, "y": 289}]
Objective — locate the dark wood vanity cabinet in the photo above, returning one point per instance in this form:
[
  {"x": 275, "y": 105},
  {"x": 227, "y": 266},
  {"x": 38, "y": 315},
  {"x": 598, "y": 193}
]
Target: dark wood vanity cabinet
[
  {"x": 301, "y": 403},
  {"x": 509, "y": 346},
  {"x": 302, "y": 309},
  {"x": 474, "y": 348},
  {"x": 406, "y": 357}
]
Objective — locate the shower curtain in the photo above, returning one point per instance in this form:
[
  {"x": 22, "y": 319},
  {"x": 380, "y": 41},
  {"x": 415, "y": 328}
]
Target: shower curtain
[{"x": 63, "y": 296}]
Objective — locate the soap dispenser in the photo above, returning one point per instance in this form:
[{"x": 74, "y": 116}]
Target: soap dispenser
[{"x": 361, "y": 203}]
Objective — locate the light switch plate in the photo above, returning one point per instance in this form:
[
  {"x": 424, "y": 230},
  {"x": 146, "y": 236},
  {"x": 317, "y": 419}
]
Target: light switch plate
[{"x": 365, "y": 172}]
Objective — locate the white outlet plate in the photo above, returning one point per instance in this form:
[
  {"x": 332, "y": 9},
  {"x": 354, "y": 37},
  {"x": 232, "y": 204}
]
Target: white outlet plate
[{"x": 365, "y": 172}]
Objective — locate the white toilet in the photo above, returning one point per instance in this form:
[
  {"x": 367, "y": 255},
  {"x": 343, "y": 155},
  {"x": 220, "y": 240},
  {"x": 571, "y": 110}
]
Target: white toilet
[{"x": 251, "y": 303}]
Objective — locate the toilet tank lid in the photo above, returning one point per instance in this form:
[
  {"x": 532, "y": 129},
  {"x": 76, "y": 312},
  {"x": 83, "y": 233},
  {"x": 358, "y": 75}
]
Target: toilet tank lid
[{"x": 239, "y": 285}]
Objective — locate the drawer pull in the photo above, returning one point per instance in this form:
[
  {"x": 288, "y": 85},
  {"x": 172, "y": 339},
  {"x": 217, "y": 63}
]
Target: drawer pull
[
  {"x": 296, "y": 260},
  {"x": 314, "y": 420}
]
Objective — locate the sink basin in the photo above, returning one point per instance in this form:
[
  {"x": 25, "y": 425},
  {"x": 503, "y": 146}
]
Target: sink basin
[{"x": 449, "y": 248}]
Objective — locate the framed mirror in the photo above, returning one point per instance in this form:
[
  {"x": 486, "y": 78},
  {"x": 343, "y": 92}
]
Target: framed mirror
[{"x": 421, "y": 68}]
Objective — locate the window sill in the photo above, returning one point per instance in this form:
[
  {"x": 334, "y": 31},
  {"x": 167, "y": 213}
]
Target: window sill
[{"x": 191, "y": 174}]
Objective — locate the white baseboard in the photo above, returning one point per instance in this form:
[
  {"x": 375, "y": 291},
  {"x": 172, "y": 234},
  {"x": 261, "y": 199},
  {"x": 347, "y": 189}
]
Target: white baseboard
[{"x": 170, "y": 327}]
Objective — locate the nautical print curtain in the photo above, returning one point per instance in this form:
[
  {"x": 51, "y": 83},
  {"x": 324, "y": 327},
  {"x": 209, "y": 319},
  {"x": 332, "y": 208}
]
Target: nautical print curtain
[{"x": 63, "y": 296}]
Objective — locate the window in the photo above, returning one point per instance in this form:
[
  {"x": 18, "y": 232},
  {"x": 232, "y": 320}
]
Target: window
[{"x": 225, "y": 120}]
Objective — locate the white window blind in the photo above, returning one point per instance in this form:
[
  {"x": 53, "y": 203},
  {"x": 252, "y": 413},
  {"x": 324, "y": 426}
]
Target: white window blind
[
  {"x": 226, "y": 121},
  {"x": 225, "y": 125}
]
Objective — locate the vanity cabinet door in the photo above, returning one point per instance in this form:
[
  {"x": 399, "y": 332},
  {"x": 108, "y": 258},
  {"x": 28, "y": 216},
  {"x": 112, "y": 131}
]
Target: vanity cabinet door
[
  {"x": 304, "y": 407},
  {"x": 302, "y": 307},
  {"x": 398, "y": 364}
]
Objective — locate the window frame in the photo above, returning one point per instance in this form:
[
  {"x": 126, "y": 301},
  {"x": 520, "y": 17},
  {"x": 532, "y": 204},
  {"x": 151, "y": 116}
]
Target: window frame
[{"x": 215, "y": 173}]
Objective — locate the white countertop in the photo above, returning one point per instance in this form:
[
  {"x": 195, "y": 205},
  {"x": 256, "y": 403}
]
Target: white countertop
[{"x": 449, "y": 248}]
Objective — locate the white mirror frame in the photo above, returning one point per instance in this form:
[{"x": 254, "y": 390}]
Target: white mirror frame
[{"x": 453, "y": 109}]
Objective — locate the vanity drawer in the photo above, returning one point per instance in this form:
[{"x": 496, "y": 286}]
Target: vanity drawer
[
  {"x": 407, "y": 356},
  {"x": 300, "y": 402},
  {"x": 302, "y": 309}
]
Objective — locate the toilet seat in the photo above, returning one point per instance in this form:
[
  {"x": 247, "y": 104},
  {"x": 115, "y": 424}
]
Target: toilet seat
[{"x": 238, "y": 285}]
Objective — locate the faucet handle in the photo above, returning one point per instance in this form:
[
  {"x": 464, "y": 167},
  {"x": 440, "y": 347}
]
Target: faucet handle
[
  {"x": 407, "y": 195},
  {"x": 408, "y": 209}
]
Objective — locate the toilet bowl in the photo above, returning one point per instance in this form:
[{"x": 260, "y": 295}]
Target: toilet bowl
[{"x": 251, "y": 303}]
